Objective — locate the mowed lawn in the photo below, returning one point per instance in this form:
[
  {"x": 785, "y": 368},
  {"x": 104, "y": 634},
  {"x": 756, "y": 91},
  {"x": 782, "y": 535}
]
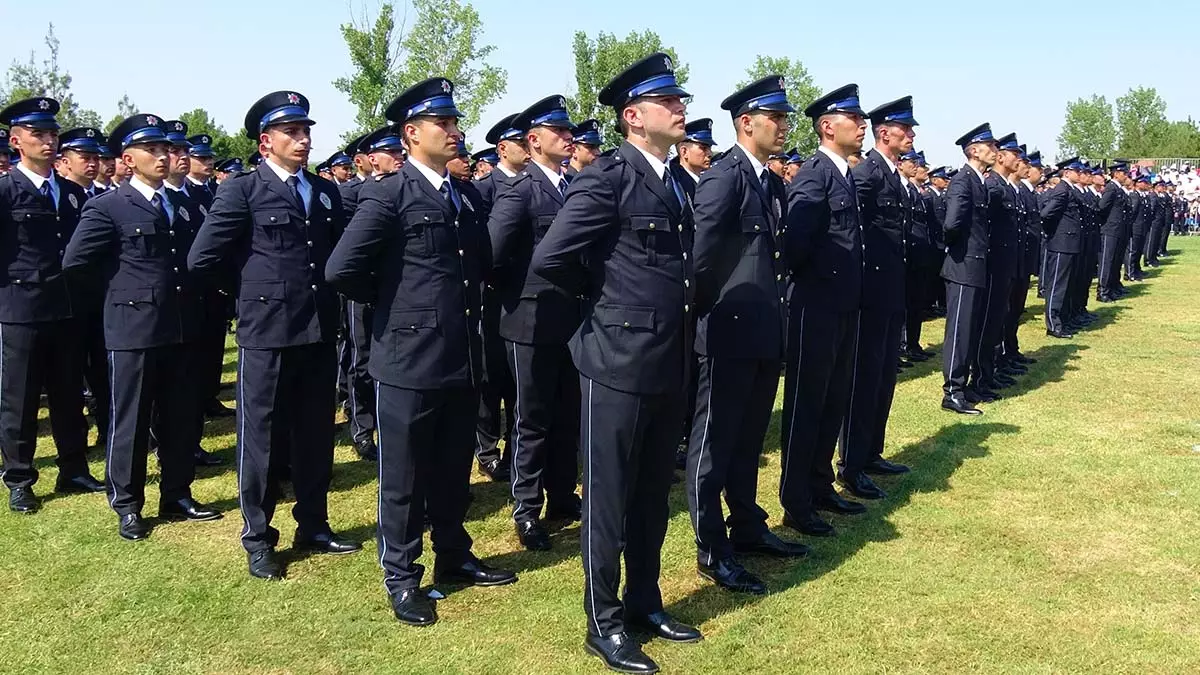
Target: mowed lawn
[{"x": 1056, "y": 533}]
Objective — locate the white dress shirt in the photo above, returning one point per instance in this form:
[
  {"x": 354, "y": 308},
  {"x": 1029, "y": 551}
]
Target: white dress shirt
[
  {"x": 838, "y": 161},
  {"x": 304, "y": 187},
  {"x": 149, "y": 192},
  {"x": 38, "y": 180}
]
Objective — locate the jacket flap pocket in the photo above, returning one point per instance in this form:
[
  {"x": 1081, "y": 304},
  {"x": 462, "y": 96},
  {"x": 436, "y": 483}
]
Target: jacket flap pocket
[
  {"x": 626, "y": 317},
  {"x": 650, "y": 223},
  {"x": 413, "y": 319},
  {"x": 752, "y": 224},
  {"x": 263, "y": 290},
  {"x": 131, "y": 296},
  {"x": 269, "y": 218},
  {"x": 137, "y": 229},
  {"x": 424, "y": 217}
]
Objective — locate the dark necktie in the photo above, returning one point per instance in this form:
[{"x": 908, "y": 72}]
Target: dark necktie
[
  {"x": 670, "y": 182},
  {"x": 762, "y": 180},
  {"x": 157, "y": 202},
  {"x": 294, "y": 183},
  {"x": 562, "y": 185},
  {"x": 45, "y": 189},
  {"x": 450, "y": 196}
]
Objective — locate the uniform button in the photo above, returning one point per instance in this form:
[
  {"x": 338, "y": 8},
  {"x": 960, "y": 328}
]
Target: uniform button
[
  {"x": 466, "y": 282},
  {"x": 414, "y": 326},
  {"x": 329, "y": 219},
  {"x": 58, "y": 234},
  {"x": 627, "y": 323},
  {"x": 262, "y": 298},
  {"x": 781, "y": 298},
  {"x": 877, "y": 268},
  {"x": 178, "y": 289},
  {"x": 172, "y": 250},
  {"x": 685, "y": 255},
  {"x": 137, "y": 230},
  {"x": 686, "y": 308},
  {"x": 171, "y": 232},
  {"x": 130, "y": 303},
  {"x": 460, "y": 251},
  {"x": 426, "y": 218},
  {"x": 468, "y": 312},
  {"x": 757, "y": 228},
  {"x": 777, "y": 255},
  {"x": 176, "y": 270},
  {"x": 309, "y": 243},
  {"x": 314, "y": 287},
  {"x": 272, "y": 219},
  {"x": 57, "y": 218},
  {"x": 681, "y": 228},
  {"x": 735, "y": 317},
  {"x": 306, "y": 223},
  {"x": 312, "y": 266},
  {"x": 686, "y": 283},
  {"x": 778, "y": 277}
]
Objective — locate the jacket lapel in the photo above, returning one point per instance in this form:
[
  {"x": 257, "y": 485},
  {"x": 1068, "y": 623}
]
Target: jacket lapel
[
  {"x": 754, "y": 181},
  {"x": 413, "y": 174},
  {"x": 134, "y": 197},
  {"x": 266, "y": 175},
  {"x": 543, "y": 180},
  {"x": 634, "y": 158}
]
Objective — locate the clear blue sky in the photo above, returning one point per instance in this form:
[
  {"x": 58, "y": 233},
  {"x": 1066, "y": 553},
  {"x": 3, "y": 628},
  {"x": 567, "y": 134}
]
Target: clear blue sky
[{"x": 995, "y": 62}]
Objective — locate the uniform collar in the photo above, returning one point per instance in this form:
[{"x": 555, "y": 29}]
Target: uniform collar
[
  {"x": 554, "y": 176},
  {"x": 838, "y": 161},
  {"x": 147, "y": 191},
  {"x": 283, "y": 173},
  {"x": 755, "y": 165},
  {"x": 430, "y": 175},
  {"x": 657, "y": 165}
]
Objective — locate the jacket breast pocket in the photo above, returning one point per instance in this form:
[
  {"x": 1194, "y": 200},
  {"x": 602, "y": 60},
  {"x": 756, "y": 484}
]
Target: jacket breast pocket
[
  {"x": 541, "y": 225},
  {"x": 271, "y": 226},
  {"x": 649, "y": 230},
  {"x": 753, "y": 226},
  {"x": 140, "y": 236},
  {"x": 427, "y": 232},
  {"x": 627, "y": 317},
  {"x": 263, "y": 303}
]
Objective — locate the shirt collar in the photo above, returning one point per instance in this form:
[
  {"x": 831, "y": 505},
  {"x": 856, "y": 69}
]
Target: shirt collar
[
  {"x": 755, "y": 165},
  {"x": 182, "y": 187},
  {"x": 193, "y": 181},
  {"x": 35, "y": 178},
  {"x": 283, "y": 173},
  {"x": 554, "y": 176},
  {"x": 430, "y": 175},
  {"x": 887, "y": 161},
  {"x": 695, "y": 177},
  {"x": 147, "y": 191},
  {"x": 837, "y": 160},
  {"x": 658, "y": 166},
  {"x": 1026, "y": 183},
  {"x": 504, "y": 170},
  {"x": 977, "y": 172}
]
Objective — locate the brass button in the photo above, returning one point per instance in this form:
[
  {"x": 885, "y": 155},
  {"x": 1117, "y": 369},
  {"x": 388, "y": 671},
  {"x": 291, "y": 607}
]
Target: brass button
[
  {"x": 652, "y": 226},
  {"x": 262, "y": 298},
  {"x": 627, "y": 324}
]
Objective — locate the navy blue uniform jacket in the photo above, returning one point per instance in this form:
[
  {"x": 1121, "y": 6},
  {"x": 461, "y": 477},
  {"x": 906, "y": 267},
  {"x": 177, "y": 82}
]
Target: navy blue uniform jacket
[
  {"x": 824, "y": 239},
  {"x": 966, "y": 230},
  {"x": 883, "y": 200}
]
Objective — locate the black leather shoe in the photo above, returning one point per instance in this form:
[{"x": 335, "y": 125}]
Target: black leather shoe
[
  {"x": 663, "y": 625},
  {"x": 83, "y": 483},
  {"x": 882, "y": 467},
  {"x": 768, "y": 543},
  {"x": 813, "y": 526},
  {"x": 367, "y": 450},
  {"x": 832, "y": 502},
  {"x": 958, "y": 403},
  {"x": 1013, "y": 368},
  {"x": 133, "y": 527},
  {"x": 1023, "y": 359},
  {"x": 206, "y": 458},
  {"x": 326, "y": 542},
  {"x": 620, "y": 653},
  {"x": 915, "y": 356},
  {"x": 217, "y": 409},
  {"x": 497, "y": 470},
  {"x": 414, "y": 608},
  {"x": 23, "y": 500},
  {"x": 1001, "y": 381},
  {"x": 861, "y": 486},
  {"x": 264, "y": 565},
  {"x": 568, "y": 509},
  {"x": 472, "y": 573},
  {"x": 904, "y": 364},
  {"x": 981, "y": 394},
  {"x": 186, "y": 509},
  {"x": 731, "y": 576},
  {"x": 532, "y": 535}
]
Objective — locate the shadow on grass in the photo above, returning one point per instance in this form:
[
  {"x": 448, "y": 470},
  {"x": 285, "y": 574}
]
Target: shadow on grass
[{"x": 934, "y": 461}]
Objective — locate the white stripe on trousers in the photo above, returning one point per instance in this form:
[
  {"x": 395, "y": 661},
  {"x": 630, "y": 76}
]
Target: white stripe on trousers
[
  {"x": 590, "y": 578},
  {"x": 787, "y": 451},
  {"x": 1053, "y": 285},
  {"x": 112, "y": 429},
  {"x": 516, "y": 432},
  {"x": 383, "y": 545},
  {"x": 853, "y": 384},
  {"x": 954, "y": 340},
  {"x": 241, "y": 438},
  {"x": 704, "y": 441}
]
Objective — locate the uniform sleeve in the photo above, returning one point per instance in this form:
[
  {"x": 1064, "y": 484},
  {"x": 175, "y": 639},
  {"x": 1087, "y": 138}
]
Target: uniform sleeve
[
  {"x": 505, "y": 222},
  {"x": 92, "y": 242},
  {"x": 1106, "y": 199},
  {"x": 349, "y": 195},
  {"x": 958, "y": 210},
  {"x": 807, "y": 215},
  {"x": 717, "y": 222},
  {"x": 227, "y": 222},
  {"x": 351, "y": 265},
  {"x": 1054, "y": 206},
  {"x": 586, "y": 217}
]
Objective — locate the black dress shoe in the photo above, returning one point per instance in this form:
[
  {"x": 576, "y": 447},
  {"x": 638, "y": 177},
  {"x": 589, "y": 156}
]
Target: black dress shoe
[
  {"x": 414, "y": 608},
  {"x": 731, "y": 576},
  {"x": 1013, "y": 368},
  {"x": 1023, "y": 359},
  {"x": 206, "y": 458},
  {"x": 532, "y": 535},
  {"x": 133, "y": 527},
  {"x": 620, "y": 653},
  {"x": 861, "y": 486},
  {"x": 681, "y": 456},
  {"x": 217, "y": 409},
  {"x": 987, "y": 395},
  {"x": 1001, "y": 381},
  {"x": 813, "y": 526},
  {"x": 83, "y": 483},
  {"x": 472, "y": 573},
  {"x": 882, "y": 467},
  {"x": 264, "y": 565},
  {"x": 568, "y": 509},
  {"x": 23, "y": 500},
  {"x": 768, "y": 543},
  {"x": 663, "y": 625},
  {"x": 186, "y": 509},
  {"x": 832, "y": 502},
  {"x": 904, "y": 364},
  {"x": 1060, "y": 334},
  {"x": 326, "y": 542},
  {"x": 497, "y": 470},
  {"x": 958, "y": 403},
  {"x": 367, "y": 450},
  {"x": 916, "y": 356}
]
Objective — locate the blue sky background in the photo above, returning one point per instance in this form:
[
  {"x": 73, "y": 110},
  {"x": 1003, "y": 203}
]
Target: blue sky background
[{"x": 1001, "y": 63}]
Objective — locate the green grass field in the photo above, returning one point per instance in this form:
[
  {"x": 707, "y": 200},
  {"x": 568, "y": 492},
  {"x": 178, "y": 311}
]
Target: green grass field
[{"x": 1055, "y": 533}]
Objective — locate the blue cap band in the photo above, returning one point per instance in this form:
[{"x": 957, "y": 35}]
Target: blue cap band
[
  {"x": 32, "y": 117},
  {"x": 651, "y": 85},
  {"x": 81, "y": 145},
  {"x": 387, "y": 143},
  {"x": 981, "y": 137},
  {"x": 201, "y": 150},
  {"x": 702, "y": 136},
  {"x": 178, "y": 139},
  {"x": 900, "y": 117},
  {"x": 276, "y": 114},
  {"x": 588, "y": 138},
  {"x": 556, "y": 115},
  {"x": 430, "y": 104},
  {"x": 144, "y": 135},
  {"x": 766, "y": 99},
  {"x": 843, "y": 104}
]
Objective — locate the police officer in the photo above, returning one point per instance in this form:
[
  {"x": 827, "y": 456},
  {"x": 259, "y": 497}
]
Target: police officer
[
  {"x": 276, "y": 225},
  {"x": 39, "y": 339},
  {"x": 485, "y": 162},
  {"x": 1141, "y": 217},
  {"x": 417, "y": 251},
  {"x": 80, "y": 157},
  {"x": 139, "y": 235},
  {"x": 227, "y": 169},
  {"x": 585, "y": 146},
  {"x": 741, "y": 282},
  {"x": 536, "y": 320},
  {"x": 921, "y": 254},
  {"x": 622, "y": 237},
  {"x": 341, "y": 167},
  {"x": 1062, "y": 216},
  {"x": 322, "y": 170},
  {"x": 1030, "y": 172},
  {"x": 935, "y": 198},
  {"x": 356, "y": 149},
  {"x": 824, "y": 244},
  {"x": 694, "y": 155},
  {"x": 793, "y": 165},
  {"x": 1112, "y": 217},
  {"x": 884, "y": 200},
  {"x": 254, "y": 160},
  {"x": 107, "y": 167},
  {"x": 5, "y": 152},
  {"x": 201, "y": 161},
  {"x": 965, "y": 267}
]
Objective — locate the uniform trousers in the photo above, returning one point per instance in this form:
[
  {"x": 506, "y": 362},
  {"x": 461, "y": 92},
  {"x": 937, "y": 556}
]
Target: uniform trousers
[
  {"x": 1133, "y": 259},
  {"x": 360, "y": 386},
  {"x": 545, "y": 446},
  {"x": 628, "y": 444},
  {"x": 735, "y": 398},
  {"x": 95, "y": 370},
  {"x": 1110, "y": 266},
  {"x": 1057, "y": 306},
  {"x": 283, "y": 419},
  {"x": 816, "y": 392},
  {"x": 991, "y": 329},
  {"x": 872, "y": 387},
  {"x": 1017, "y": 294},
  {"x": 964, "y": 311},
  {"x": 34, "y": 357},
  {"x": 424, "y": 467},
  {"x": 496, "y": 389},
  {"x": 156, "y": 385}
]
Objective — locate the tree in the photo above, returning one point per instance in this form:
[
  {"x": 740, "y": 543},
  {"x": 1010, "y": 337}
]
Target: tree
[
  {"x": 1141, "y": 123},
  {"x": 444, "y": 40},
  {"x": 224, "y": 145},
  {"x": 598, "y": 61},
  {"x": 800, "y": 92},
  {"x": 125, "y": 108},
  {"x": 1088, "y": 129},
  {"x": 25, "y": 80},
  {"x": 1180, "y": 138}
]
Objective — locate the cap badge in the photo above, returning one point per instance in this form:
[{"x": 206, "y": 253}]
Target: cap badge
[
  {"x": 781, "y": 83},
  {"x": 151, "y": 119},
  {"x": 293, "y": 99},
  {"x": 446, "y": 86},
  {"x": 667, "y": 63},
  {"x": 90, "y": 133},
  {"x": 44, "y": 104}
]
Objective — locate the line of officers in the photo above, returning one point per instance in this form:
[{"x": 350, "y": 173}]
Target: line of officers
[{"x": 604, "y": 301}]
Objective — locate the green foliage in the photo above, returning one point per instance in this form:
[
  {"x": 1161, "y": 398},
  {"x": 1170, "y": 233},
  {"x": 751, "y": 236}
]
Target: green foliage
[
  {"x": 1141, "y": 123},
  {"x": 125, "y": 108},
  {"x": 24, "y": 80},
  {"x": 445, "y": 40},
  {"x": 599, "y": 60},
  {"x": 1088, "y": 129},
  {"x": 225, "y": 145},
  {"x": 800, "y": 90}
]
